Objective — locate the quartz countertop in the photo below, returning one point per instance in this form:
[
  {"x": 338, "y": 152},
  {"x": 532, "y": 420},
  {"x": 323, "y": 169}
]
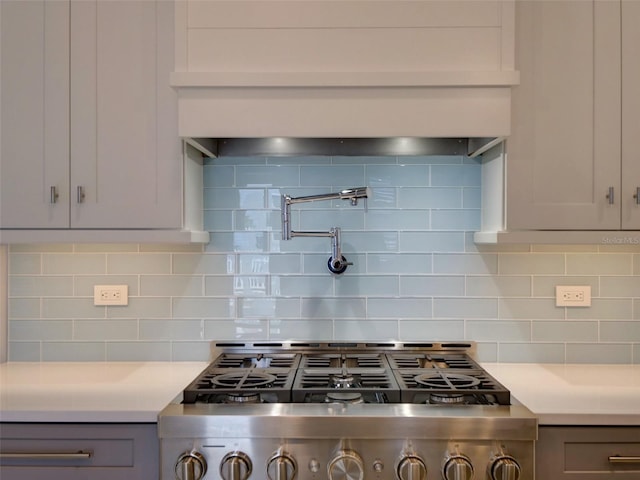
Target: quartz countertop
[
  {"x": 135, "y": 392},
  {"x": 574, "y": 394},
  {"x": 128, "y": 392}
]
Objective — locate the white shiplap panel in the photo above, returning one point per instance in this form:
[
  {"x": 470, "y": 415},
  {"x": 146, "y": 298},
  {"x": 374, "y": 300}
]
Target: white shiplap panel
[
  {"x": 343, "y": 14},
  {"x": 338, "y": 49}
]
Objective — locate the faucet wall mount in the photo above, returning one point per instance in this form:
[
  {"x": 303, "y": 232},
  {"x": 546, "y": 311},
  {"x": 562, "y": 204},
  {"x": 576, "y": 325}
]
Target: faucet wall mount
[{"x": 337, "y": 263}]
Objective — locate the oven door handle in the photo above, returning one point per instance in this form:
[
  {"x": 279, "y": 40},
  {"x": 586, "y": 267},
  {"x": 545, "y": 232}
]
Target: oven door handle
[
  {"x": 616, "y": 459},
  {"x": 45, "y": 455}
]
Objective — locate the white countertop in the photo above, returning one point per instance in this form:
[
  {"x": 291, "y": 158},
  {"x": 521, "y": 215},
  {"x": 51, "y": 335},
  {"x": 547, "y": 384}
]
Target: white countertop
[
  {"x": 574, "y": 394},
  {"x": 137, "y": 391},
  {"x": 131, "y": 392}
]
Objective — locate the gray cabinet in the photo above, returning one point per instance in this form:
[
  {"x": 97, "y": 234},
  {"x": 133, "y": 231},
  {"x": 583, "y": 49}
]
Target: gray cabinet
[
  {"x": 88, "y": 119},
  {"x": 588, "y": 453},
  {"x": 571, "y": 160},
  {"x": 79, "y": 451}
]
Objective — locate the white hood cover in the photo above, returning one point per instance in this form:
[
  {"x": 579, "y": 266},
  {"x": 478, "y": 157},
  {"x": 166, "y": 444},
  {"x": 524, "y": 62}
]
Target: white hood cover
[{"x": 325, "y": 68}]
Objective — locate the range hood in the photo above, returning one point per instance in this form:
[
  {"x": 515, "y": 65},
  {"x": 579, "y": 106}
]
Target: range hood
[
  {"x": 391, "y": 146},
  {"x": 348, "y": 70}
]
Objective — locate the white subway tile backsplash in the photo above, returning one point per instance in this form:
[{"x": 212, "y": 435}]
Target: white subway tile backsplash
[
  {"x": 427, "y": 242},
  {"x": 430, "y": 197},
  {"x": 598, "y": 353},
  {"x": 565, "y": 331},
  {"x": 366, "y": 330},
  {"x": 25, "y": 263},
  {"x": 138, "y": 351},
  {"x": 498, "y": 286},
  {"x": 189, "y": 307},
  {"x": 334, "y": 177},
  {"x": 432, "y": 286},
  {"x": 175, "y": 329},
  {"x": 532, "y": 264},
  {"x": 531, "y": 352},
  {"x": 499, "y": 330},
  {"x": 417, "y": 330},
  {"x": 465, "y": 307},
  {"x": 138, "y": 263},
  {"x": 79, "y": 263},
  {"x": 465, "y": 263},
  {"x": 238, "y": 329},
  {"x": 397, "y": 176},
  {"x": 416, "y": 274},
  {"x": 599, "y": 264},
  {"x": 530, "y": 308},
  {"x": 455, "y": 175},
  {"x": 41, "y": 286},
  {"x": 402, "y": 264},
  {"x": 267, "y": 176},
  {"x": 604, "y": 308},
  {"x": 399, "y": 308},
  {"x": 77, "y": 351},
  {"x": 105, "y": 330},
  {"x": 40, "y": 330}
]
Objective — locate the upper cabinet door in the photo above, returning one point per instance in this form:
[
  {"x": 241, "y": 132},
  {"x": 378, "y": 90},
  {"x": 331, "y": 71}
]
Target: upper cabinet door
[
  {"x": 126, "y": 168},
  {"x": 630, "y": 115},
  {"x": 34, "y": 110},
  {"x": 564, "y": 152}
]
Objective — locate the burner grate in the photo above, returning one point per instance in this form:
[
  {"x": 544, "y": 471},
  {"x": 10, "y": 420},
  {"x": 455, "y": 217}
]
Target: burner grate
[
  {"x": 419, "y": 360},
  {"x": 220, "y": 381},
  {"x": 257, "y": 361},
  {"x": 317, "y": 382},
  {"x": 414, "y": 383},
  {"x": 339, "y": 360}
]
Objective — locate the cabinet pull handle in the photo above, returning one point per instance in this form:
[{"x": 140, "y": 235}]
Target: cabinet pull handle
[
  {"x": 53, "y": 194},
  {"x": 637, "y": 196},
  {"x": 623, "y": 459},
  {"x": 46, "y": 455},
  {"x": 610, "y": 196},
  {"x": 80, "y": 194}
]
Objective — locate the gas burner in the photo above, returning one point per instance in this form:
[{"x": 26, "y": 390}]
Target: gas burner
[
  {"x": 242, "y": 398},
  {"x": 343, "y": 381},
  {"x": 344, "y": 397},
  {"x": 244, "y": 380},
  {"x": 447, "y": 380},
  {"x": 447, "y": 399}
]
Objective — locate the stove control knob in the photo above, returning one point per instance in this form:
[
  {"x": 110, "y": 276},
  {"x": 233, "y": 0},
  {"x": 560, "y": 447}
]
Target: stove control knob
[
  {"x": 504, "y": 467},
  {"x": 281, "y": 466},
  {"x": 411, "y": 467},
  {"x": 235, "y": 466},
  {"x": 346, "y": 465},
  {"x": 191, "y": 466},
  {"x": 457, "y": 467}
]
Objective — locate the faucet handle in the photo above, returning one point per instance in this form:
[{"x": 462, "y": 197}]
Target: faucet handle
[{"x": 338, "y": 265}]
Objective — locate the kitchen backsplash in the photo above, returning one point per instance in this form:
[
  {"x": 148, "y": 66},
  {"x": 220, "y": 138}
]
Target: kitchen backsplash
[{"x": 416, "y": 274}]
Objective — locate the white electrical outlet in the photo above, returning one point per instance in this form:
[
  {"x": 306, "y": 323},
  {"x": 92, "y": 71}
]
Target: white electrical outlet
[
  {"x": 111, "y": 295},
  {"x": 573, "y": 296}
]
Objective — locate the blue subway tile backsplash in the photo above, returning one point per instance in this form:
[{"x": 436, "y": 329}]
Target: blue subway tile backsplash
[{"x": 416, "y": 274}]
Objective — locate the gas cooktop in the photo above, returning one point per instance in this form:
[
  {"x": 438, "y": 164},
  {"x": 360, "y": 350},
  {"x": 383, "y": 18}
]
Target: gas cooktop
[{"x": 334, "y": 372}]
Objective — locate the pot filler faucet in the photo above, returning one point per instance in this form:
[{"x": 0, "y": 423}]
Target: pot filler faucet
[{"x": 337, "y": 262}]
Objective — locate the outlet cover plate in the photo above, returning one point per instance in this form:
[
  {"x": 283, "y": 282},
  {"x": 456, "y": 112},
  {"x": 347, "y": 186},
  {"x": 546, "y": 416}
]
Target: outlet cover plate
[
  {"x": 111, "y": 295},
  {"x": 573, "y": 295}
]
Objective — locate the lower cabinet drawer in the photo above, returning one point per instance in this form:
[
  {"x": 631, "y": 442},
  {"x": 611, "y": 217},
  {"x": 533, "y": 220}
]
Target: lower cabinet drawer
[
  {"x": 589, "y": 453},
  {"x": 78, "y": 451}
]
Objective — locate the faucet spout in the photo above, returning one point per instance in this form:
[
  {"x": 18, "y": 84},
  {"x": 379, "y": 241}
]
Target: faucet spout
[{"x": 337, "y": 263}]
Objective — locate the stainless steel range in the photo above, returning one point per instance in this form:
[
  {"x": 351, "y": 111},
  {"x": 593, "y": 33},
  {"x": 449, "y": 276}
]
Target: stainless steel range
[{"x": 346, "y": 411}]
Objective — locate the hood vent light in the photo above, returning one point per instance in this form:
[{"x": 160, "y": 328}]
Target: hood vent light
[{"x": 390, "y": 146}]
